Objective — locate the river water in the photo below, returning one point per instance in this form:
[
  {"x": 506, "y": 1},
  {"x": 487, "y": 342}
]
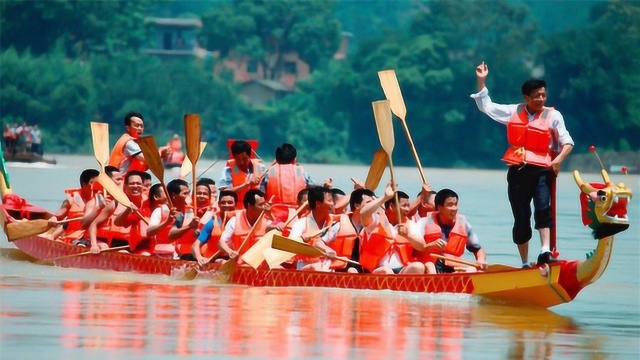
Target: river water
[{"x": 56, "y": 313}]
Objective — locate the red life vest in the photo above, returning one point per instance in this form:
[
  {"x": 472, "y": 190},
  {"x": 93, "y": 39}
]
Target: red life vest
[
  {"x": 242, "y": 229},
  {"x": 529, "y": 141},
  {"x": 284, "y": 183},
  {"x": 239, "y": 177},
  {"x": 342, "y": 244},
  {"x": 376, "y": 245},
  {"x": 117, "y": 157},
  {"x": 456, "y": 242}
]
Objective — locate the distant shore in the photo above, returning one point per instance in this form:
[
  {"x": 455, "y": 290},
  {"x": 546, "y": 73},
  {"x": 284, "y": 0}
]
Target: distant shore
[{"x": 612, "y": 161}]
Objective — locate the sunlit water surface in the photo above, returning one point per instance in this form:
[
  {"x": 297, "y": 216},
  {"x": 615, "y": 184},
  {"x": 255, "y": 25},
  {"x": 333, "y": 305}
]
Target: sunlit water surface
[{"x": 56, "y": 313}]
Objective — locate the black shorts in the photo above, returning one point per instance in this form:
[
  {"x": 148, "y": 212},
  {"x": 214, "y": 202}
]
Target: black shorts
[{"x": 441, "y": 268}]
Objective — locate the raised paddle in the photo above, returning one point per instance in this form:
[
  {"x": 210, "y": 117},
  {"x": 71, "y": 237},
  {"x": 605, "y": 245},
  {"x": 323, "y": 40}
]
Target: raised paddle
[
  {"x": 186, "y": 167},
  {"x": 100, "y": 139},
  {"x": 227, "y": 269},
  {"x": 52, "y": 260},
  {"x": 23, "y": 229},
  {"x": 255, "y": 256},
  {"x": 192, "y": 134},
  {"x": 292, "y": 246},
  {"x": 112, "y": 188},
  {"x": 376, "y": 170},
  {"x": 382, "y": 114},
  {"x": 490, "y": 267},
  {"x": 391, "y": 89},
  {"x": 149, "y": 149}
]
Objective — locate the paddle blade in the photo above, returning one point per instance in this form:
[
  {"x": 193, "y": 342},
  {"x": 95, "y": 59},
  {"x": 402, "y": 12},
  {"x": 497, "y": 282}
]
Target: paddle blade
[
  {"x": 23, "y": 229},
  {"x": 254, "y": 256},
  {"x": 382, "y": 115},
  {"x": 192, "y": 136},
  {"x": 376, "y": 170},
  {"x": 100, "y": 139},
  {"x": 294, "y": 246},
  {"x": 113, "y": 189},
  {"x": 186, "y": 167},
  {"x": 149, "y": 149},
  {"x": 391, "y": 89}
]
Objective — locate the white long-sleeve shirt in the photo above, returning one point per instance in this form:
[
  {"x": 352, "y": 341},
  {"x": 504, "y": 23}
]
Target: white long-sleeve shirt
[{"x": 502, "y": 114}]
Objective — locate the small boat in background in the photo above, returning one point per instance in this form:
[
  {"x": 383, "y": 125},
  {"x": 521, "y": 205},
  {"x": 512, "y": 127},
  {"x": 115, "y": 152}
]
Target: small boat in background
[{"x": 27, "y": 157}]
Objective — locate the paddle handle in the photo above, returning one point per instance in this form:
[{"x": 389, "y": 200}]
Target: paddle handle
[
  {"x": 460, "y": 261},
  {"x": 68, "y": 220},
  {"x": 295, "y": 215},
  {"x": 413, "y": 149}
]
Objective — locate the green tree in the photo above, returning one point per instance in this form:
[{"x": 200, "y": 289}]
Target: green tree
[
  {"x": 83, "y": 26},
  {"x": 265, "y": 31},
  {"x": 594, "y": 75}
]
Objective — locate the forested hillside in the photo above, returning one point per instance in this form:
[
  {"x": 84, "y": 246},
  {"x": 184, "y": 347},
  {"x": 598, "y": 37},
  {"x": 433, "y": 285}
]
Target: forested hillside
[{"x": 63, "y": 64}]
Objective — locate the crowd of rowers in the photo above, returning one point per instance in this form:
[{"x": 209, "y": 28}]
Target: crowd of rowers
[
  {"x": 360, "y": 226},
  {"x": 384, "y": 234}
]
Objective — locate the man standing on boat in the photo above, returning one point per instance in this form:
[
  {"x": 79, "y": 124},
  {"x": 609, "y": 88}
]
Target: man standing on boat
[
  {"x": 126, "y": 154},
  {"x": 532, "y": 130}
]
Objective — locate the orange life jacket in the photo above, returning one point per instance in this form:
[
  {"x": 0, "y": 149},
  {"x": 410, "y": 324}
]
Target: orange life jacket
[
  {"x": 376, "y": 245},
  {"x": 117, "y": 155},
  {"x": 212, "y": 245},
  {"x": 109, "y": 231},
  {"x": 76, "y": 209},
  {"x": 342, "y": 244},
  {"x": 138, "y": 229},
  {"x": 529, "y": 141},
  {"x": 239, "y": 177},
  {"x": 242, "y": 229},
  {"x": 162, "y": 237},
  {"x": 184, "y": 242},
  {"x": 456, "y": 242},
  {"x": 284, "y": 182}
]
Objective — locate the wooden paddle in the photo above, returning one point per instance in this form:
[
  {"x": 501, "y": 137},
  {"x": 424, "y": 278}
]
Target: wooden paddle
[
  {"x": 254, "y": 256},
  {"x": 275, "y": 257},
  {"x": 192, "y": 134},
  {"x": 391, "y": 89},
  {"x": 382, "y": 114},
  {"x": 227, "y": 269},
  {"x": 149, "y": 149},
  {"x": 376, "y": 170},
  {"x": 23, "y": 229},
  {"x": 490, "y": 267},
  {"x": 100, "y": 139},
  {"x": 118, "y": 194},
  {"x": 289, "y": 245},
  {"x": 52, "y": 260},
  {"x": 186, "y": 167}
]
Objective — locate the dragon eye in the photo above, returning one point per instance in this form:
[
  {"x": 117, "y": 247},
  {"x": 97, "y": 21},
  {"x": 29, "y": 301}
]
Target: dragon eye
[{"x": 602, "y": 196}]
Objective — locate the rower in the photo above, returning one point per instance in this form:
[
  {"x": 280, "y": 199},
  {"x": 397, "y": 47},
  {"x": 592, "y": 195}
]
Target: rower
[
  {"x": 446, "y": 232},
  {"x": 73, "y": 207},
  {"x": 126, "y": 154},
  {"x": 238, "y": 227},
  {"x": 242, "y": 172},
  {"x": 387, "y": 246},
  {"x": 209, "y": 237}
]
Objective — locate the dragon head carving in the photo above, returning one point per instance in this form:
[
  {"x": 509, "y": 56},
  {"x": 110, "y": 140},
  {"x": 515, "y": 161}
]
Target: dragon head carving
[{"x": 604, "y": 206}]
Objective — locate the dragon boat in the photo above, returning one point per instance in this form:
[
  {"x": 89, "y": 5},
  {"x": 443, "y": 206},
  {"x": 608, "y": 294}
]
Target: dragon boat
[{"x": 604, "y": 208}]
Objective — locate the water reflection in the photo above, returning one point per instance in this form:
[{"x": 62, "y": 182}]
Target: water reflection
[{"x": 288, "y": 323}]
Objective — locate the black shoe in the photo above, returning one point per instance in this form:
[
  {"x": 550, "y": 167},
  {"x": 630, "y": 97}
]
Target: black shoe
[
  {"x": 546, "y": 258},
  {"x": 526, "y": 266}
]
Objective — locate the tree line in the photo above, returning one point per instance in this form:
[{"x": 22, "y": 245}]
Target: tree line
[{"x": 64, "y": 64}]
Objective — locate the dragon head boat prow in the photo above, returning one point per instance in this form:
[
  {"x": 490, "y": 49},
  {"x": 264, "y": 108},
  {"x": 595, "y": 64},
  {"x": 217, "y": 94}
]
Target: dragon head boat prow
[
  {"x": 604, "y": 210},
  {"x": 604, "y": 206}
]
